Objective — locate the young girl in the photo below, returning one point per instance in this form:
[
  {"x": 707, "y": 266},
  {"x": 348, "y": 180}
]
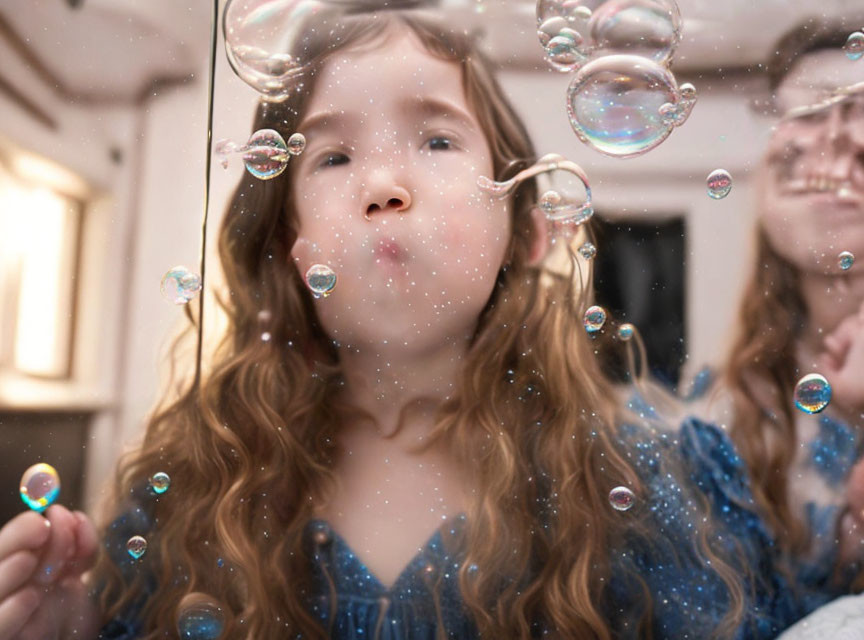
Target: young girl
[{"x": 427, "y": 452}]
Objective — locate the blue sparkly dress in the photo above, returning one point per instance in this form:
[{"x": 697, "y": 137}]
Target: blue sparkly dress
[{"x": 689, "y": 599}]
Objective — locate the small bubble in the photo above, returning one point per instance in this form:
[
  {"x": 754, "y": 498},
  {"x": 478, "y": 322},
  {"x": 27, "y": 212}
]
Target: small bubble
[
  {"x": 812, "y": 393},
  {"x": 40, "y": 486},
  {"x": 160, "y": 482},
  {"x": 179, "y": 285},
  {"x": 625, "y": 331},
  {"x": 321, "y": 280},
  {"x": 266, "y": 337},
  {"x": 854, "y": 46},
  {"x": 199, "y": 617},
  {"x": 719, "y": 184},
  {"x": 296, "y": 144},
  {"x": 594, "y": 319},
  {"x": 588, "y": 251},
  {"x": 136, "y": 546},
  {"x": 621, "y": 498},
  {"x": 846, "y": 260}
]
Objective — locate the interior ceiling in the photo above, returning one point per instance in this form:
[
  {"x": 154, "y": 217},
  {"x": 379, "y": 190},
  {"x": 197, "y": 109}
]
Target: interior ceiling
[{"x": 114, "y": 49}]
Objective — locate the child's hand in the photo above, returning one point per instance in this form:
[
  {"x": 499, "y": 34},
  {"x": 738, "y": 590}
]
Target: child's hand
[
  {"x": 843, "y": 363},
  {"x": 42, "y": 594}
]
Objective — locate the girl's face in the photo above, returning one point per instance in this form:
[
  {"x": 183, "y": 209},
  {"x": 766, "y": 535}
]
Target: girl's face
[
  {"x": 813, "y": 200},
  {"x": 386, "y": 195}
]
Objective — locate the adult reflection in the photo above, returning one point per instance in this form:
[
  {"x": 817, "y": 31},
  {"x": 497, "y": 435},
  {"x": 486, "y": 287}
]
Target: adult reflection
[{"x": 802, "y": 312}]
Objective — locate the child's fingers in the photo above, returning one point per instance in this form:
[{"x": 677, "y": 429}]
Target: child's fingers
[
  {"x": 61, "y": 546},
  {"x": 16, "y": 610},
  {"x": 15, "y": 570},
  {"x": 27, "y": 530},
  {"x": 86, "y": 545}
]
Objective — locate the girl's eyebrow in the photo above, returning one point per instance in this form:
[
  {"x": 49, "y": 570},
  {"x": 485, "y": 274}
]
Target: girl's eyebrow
[
  {"x": 431, "y": 106},
  {"x": 326, "y": 120}
]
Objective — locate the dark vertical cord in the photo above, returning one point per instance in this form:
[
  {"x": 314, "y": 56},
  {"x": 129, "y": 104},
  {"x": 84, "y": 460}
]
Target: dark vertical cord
[{"x": 214, "y": 22}]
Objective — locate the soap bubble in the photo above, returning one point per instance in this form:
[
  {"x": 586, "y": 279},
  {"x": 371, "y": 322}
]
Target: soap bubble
[
  {"x": 594, "y": 319},
  {"x": 812, "y": 393},
  {"x": 264, "y": 41},
  {"x": 625, "y": 331},
  {"x": 854, "y": 46},
  {"x": 160, "y": 482},
  {"x": 200, "y": 617},
  {"x": 225, "y": 148},
  {"x": 846, "y": 260},
  {"x": 180, "y": 285},
  {"x": 572, "y": 31},
  {"x": 266, "y": 154},
  {"x": 40, "y": 486},
  {"x": 588, "y": 251},
  {"x": 719, "y": 184},
  {"x": 617, "y": 105},
  {"x": 321, "y": 280},
  {"x": 136, "y": 546},
  {"x": 296, "y": 144},
  {"x": 621, "y": 498}
]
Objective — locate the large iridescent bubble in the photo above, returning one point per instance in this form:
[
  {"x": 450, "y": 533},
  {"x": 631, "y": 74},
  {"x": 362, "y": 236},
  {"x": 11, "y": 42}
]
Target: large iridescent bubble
[
  {"x": 264, "y": 41},
  {"x": 572, "y": 31},
  {"x": 625, "y": 105}
]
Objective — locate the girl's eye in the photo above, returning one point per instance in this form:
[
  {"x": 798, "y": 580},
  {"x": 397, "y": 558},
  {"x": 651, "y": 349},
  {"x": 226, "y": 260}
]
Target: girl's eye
[
  {"x": 439, "y": 143},
  {"x": 333, "y": 159}
]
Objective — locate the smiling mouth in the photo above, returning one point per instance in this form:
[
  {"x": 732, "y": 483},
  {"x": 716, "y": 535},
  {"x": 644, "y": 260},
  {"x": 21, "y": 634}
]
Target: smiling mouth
[{"x": 841, "y": 190}]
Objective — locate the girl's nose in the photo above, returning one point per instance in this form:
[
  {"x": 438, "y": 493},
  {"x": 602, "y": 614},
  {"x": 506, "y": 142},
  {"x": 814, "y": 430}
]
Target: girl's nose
[{"x": 392, "y": 198}]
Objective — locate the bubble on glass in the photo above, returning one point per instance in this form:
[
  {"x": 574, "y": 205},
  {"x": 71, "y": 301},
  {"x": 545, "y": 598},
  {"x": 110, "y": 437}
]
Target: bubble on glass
[
  {"x": 845, "y": 260},
  {"x": 266, "y": 154},
  {"x": 617, "y": 105},
  {"x": 573, "y": 31},
  {"x": 854, "y": 47},
  {"x": 265, "y": 41},
  {"x": 321, "y": 280},
  {"x": 296, "y": 144},
  {"x": 588, "y": 251},
  {"x": 626, "y": 331},
  {"x": 223, "y": 149},
  {"x": 160, "y": 482},
  {"x": 200, "y": 617},
  {"x": 621, "y": 498},
  {"x": 594, "y": 319},
  {"x": 40, "y": 486},
  {"x": 136, "y": 546},
  {"x": 719, "y": 184},
  {"x": 179, "y": 285},
  {"x": 812, "y": 393}
]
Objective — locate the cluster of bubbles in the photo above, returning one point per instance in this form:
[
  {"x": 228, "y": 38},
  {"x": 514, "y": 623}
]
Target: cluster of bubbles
[
  {"x": 623, "y": 100},
  {"x": 594, "y": 319},
  {"x": 719, "y": 184},
  {"x": 812, "y": 393},
  {"x": 40, "y": 486},
  {"x": 568, "y": 200},
  {"x": 621, "y": 498},
  {"x": 200, "y": 617},
  {"x": 264, "y": 318},
  {"x": 265, "y": 154},
  {"x": 854, "y": 47},
  {"x": 845, "y": 260},
  {"x": 321, "y": 280},
  {"x": 180, "y": 285}
]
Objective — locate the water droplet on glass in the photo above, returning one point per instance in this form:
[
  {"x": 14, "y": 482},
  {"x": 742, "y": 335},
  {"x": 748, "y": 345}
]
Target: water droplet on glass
[
  {"x": 180, "y": 285},
  {"x": 854, "y": 46},
  {"x": 266, "y": 41},
  {"x": 266, "y": 154},
  {"x": 846, "y": 260},
  {"x": 200, "y": 617},
  {"x": 614, "y": 104},
  {"x": 588, "y": 251},
  {"x": 625, "y": 331},
  {"x": 296, "y": 144},
  {"x": 719, "y": 184},
  {"x": 160, "y": 482},
  {"x": 136, "y": 546},
  {"x": 40, "y": 486},
  {"x": 594, "y": 319},
  {"x": 621, "y": 498},
  {"x": 321, "y": 280},
  {"x": 812, "y": 393}
]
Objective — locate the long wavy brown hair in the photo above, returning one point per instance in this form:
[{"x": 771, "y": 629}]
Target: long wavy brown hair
[{"x": 250, "y": 447}]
